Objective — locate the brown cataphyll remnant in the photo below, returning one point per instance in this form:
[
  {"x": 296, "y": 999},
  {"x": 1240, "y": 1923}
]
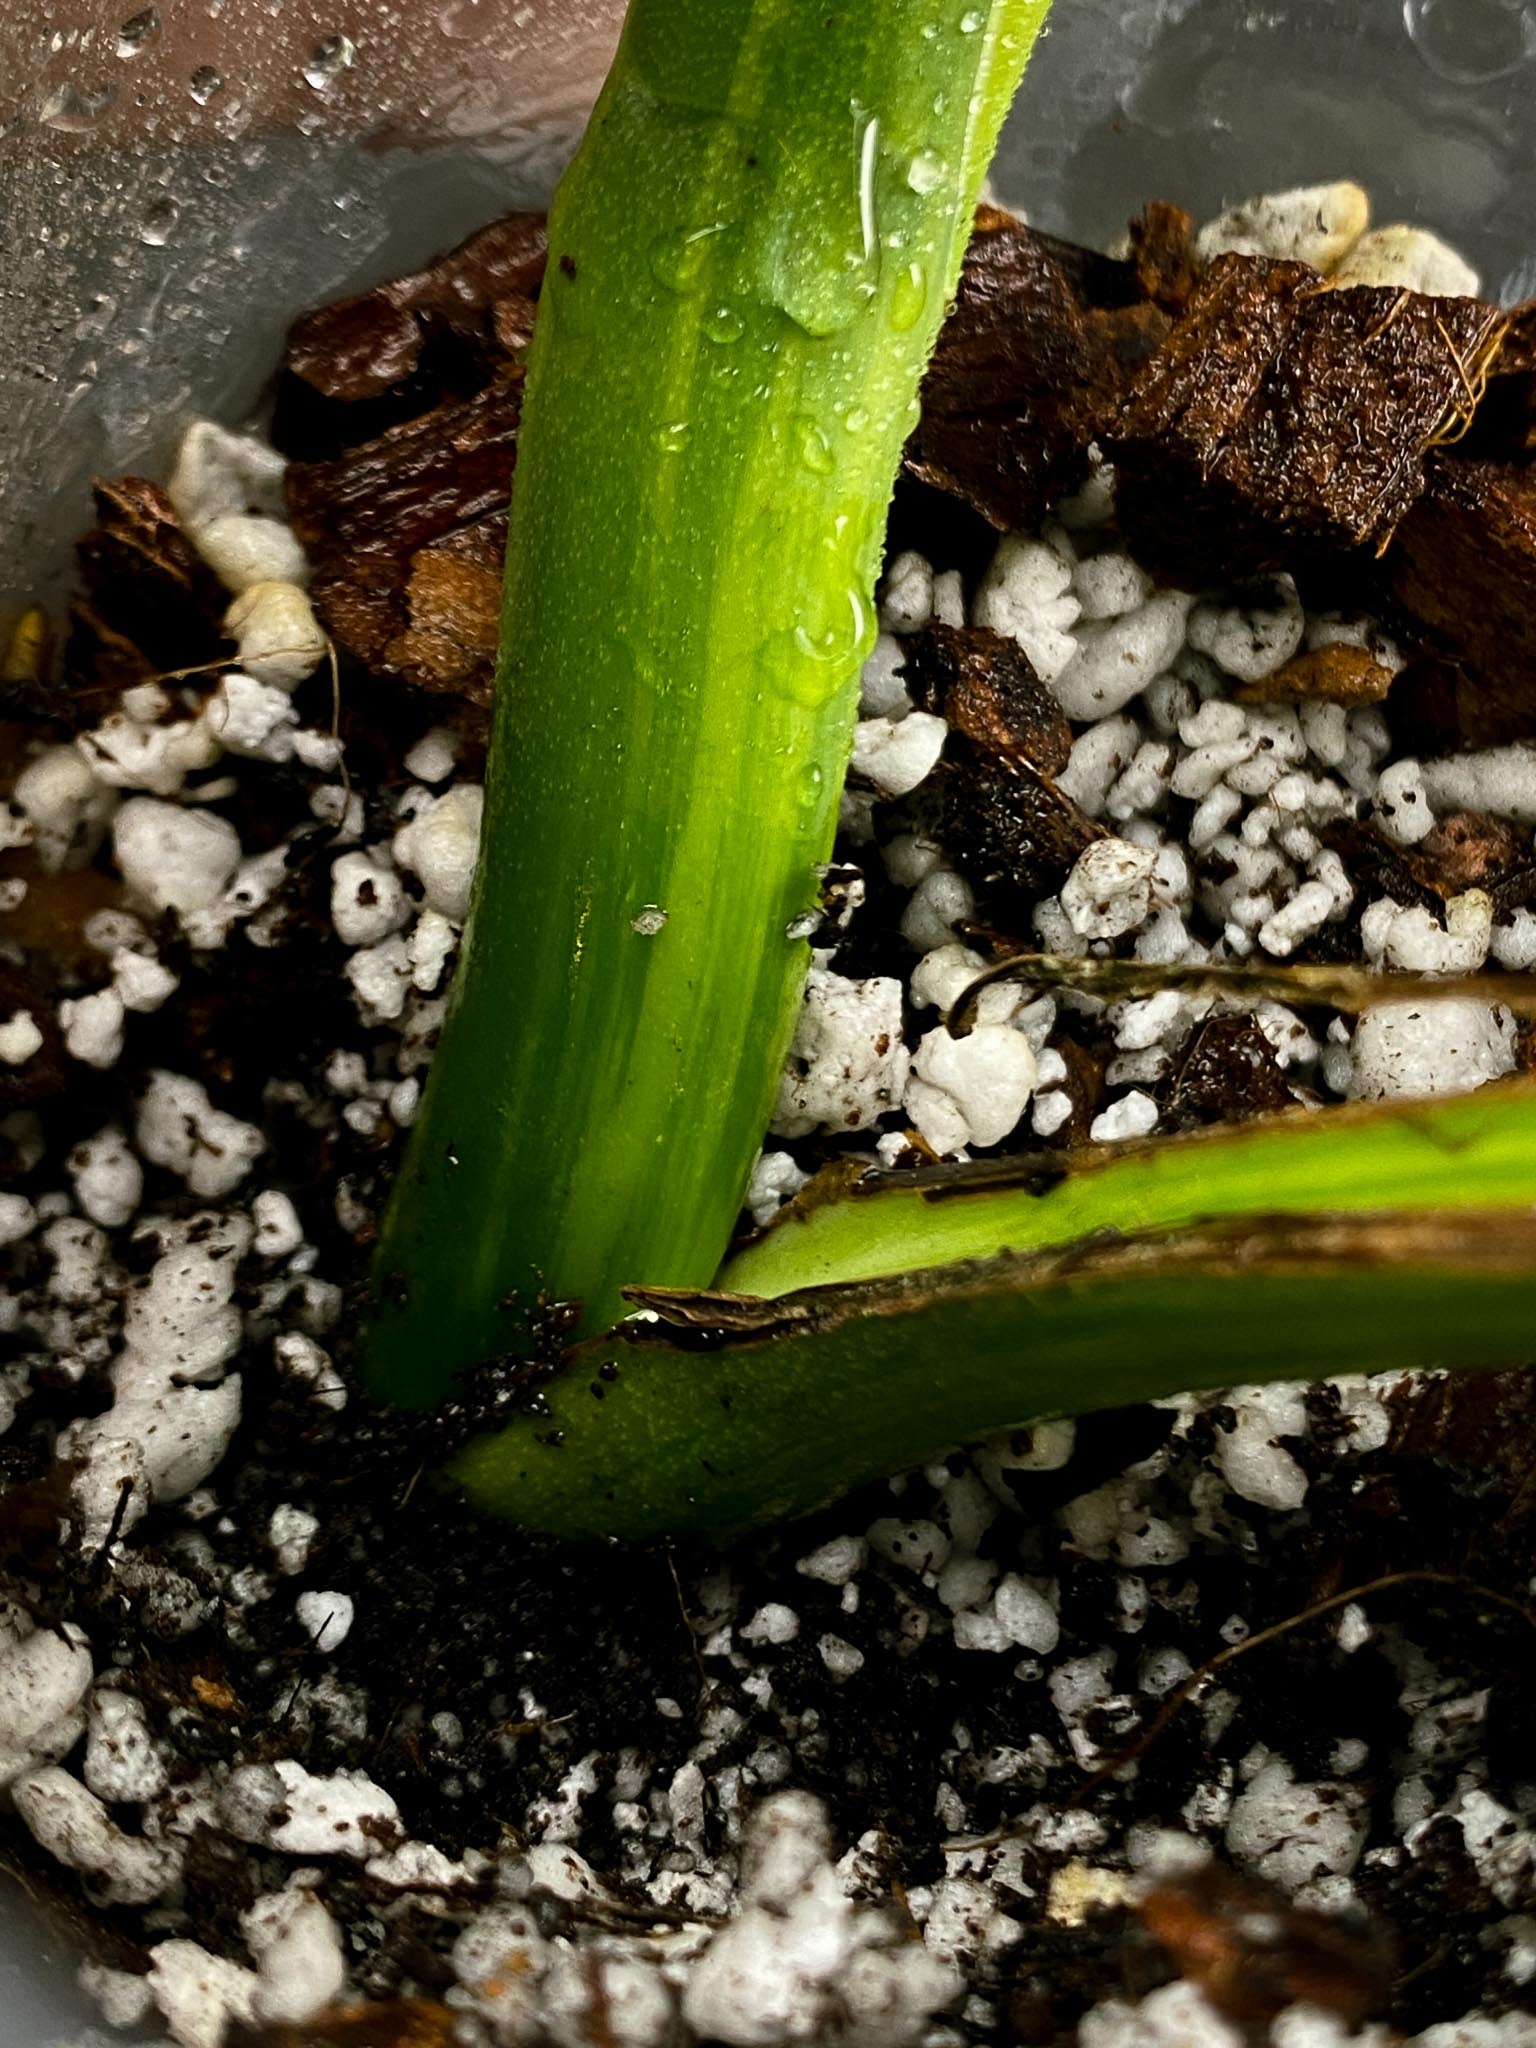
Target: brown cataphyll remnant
[
  {"x": 1033, "y": 363},
  {"x": 1464, "y": 566},
  {"x": 1283, "y": 421}
]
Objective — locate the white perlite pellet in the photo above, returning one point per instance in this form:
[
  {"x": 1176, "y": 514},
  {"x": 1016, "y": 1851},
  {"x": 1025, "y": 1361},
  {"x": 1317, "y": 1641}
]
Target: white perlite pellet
[
  {"x": 1115, "y": 660},
  {"x": 1316, "y": 224},
  {"x": 1410, "y": 259},
  {"x": 325, "y": 1618},
  {"x": 368, "y": 901},
  {"x": 971, "y": 1090},
  {"x": 108, "y": 1179},
  {"x": 800, "y": 1950},
  {"x": 20, "y": 1038},
  {"x": 906, "y": 595},
  {"x": 200, "y": 1995},
  {"x": 70, "y": 1824},
  {"x": 1249, "y": 1453},
  {"x": 301, "y": 1965},
  {"x": 882, "y": 691},
  {"x": 277, "y": 637},
  {"x": 896, "y": 754},
  {"x": 1418, "y": 1049},
  {"x": 1498, "y": 779},
  {"x": 173, "y": 858},
  {"x": 440, "y": 845},
  {"x": 1109, "y": 890},
  {"x": 848, "y": 1063},
  {"x": 282, "y": 1806},
  {"x": 43, "y": 1679},
  {"x": 1290, "y": 1833},
  {"x": 122, "y": 1763},
  {"x": 177, "y": 1127},
  {"x": 1027, "y": 595}
]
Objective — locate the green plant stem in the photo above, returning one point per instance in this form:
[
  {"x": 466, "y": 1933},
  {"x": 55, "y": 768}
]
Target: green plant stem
[
  {"x": 751, "y": 1417},
  {"x": 749, "y": 261},
  {"x": 1475, "y": 1151}
]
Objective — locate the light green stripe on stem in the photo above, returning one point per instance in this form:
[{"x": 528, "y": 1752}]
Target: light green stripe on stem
[{"x": 749, "y": 261}]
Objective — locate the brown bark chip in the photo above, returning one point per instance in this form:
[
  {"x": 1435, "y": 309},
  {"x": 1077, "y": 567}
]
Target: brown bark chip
[
  {"x": 984, "y": 685},
  {"x": 1031, "y": 367},
  {"x": 1464, "y": 566},
  {"x": 407, "y": 534},
  {"x": 1282, "y": 420},
  {"x": 358, "y": 347}
]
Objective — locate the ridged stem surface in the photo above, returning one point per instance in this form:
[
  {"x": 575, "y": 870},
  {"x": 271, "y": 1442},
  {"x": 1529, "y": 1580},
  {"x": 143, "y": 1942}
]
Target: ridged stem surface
[{"x": 749, "y": 262}]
